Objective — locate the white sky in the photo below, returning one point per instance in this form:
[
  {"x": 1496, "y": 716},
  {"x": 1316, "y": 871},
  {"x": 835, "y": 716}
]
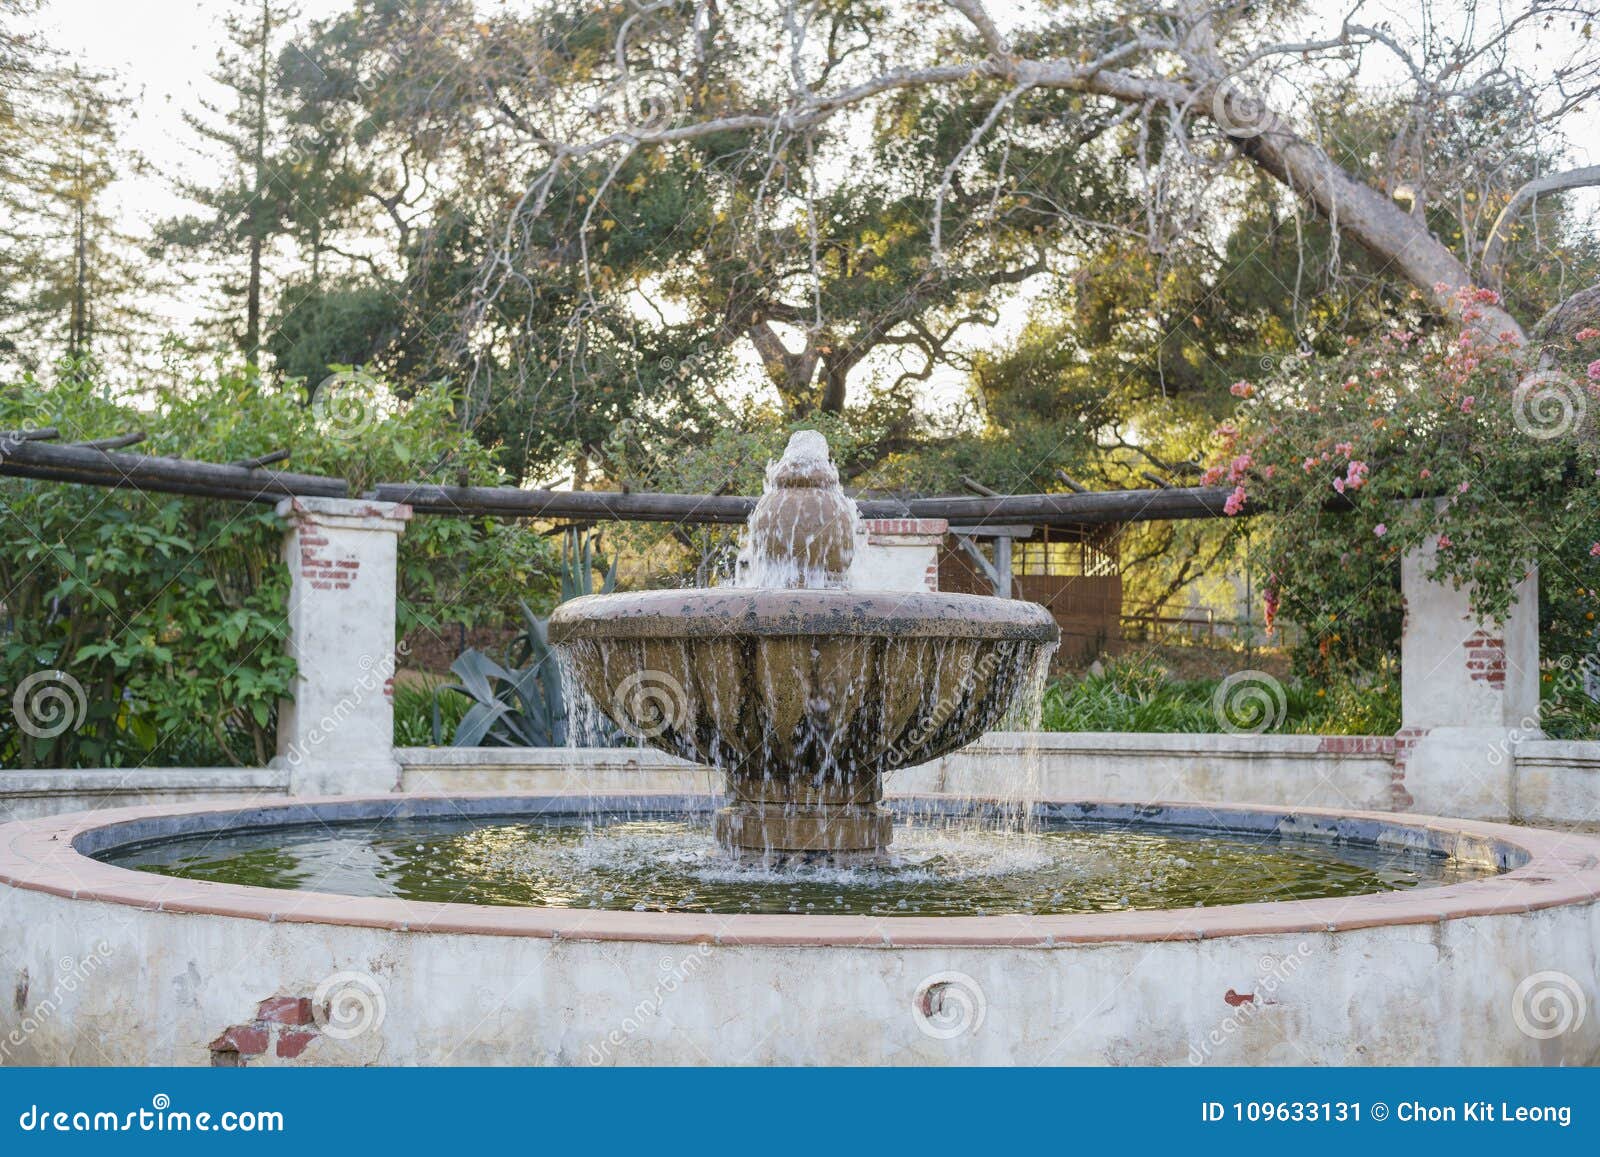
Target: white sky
[{"x": 162, "y": 51}]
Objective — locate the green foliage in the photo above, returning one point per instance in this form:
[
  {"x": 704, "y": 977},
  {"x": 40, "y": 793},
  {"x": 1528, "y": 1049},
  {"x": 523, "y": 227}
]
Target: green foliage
[
  {"x": 1140, "y": 695},
  {"x": 168, "y": 611},
  {"x": 1438, "y": 439},
  {"x": 422, "y": 716},
  {"x": 522, "y": 703}
]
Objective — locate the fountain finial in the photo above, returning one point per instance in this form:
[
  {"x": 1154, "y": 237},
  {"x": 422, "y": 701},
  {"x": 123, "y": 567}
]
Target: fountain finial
[{"x": 803, "y": 530}]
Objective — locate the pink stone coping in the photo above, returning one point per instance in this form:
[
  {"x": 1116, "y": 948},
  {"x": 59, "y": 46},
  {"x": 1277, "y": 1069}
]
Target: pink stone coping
[{"x": 1561, "y": 869}]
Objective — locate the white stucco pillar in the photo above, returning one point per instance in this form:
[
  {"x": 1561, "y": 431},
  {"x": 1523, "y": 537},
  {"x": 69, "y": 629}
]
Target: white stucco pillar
[
  {"x": 1469, "y": 694},
  {"x": 898, "y": 554},
  {"x": 336, "y": 736}
]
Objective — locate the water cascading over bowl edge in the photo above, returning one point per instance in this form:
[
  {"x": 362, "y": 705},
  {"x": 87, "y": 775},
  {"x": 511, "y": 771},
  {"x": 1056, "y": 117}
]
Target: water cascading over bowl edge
[{"x": 801, "y": 691}]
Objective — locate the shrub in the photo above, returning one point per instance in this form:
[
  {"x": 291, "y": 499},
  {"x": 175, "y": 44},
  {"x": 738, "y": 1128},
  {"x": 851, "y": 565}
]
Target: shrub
[{"x": 168, "y": 611}]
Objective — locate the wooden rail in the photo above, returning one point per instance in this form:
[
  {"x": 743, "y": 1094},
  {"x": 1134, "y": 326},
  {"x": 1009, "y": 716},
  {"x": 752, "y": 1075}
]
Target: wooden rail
[{"x": 23, "y": 457}]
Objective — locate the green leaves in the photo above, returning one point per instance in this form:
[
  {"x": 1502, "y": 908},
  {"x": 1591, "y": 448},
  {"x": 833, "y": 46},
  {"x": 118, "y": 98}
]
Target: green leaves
[{"x": 170, "y": 611}]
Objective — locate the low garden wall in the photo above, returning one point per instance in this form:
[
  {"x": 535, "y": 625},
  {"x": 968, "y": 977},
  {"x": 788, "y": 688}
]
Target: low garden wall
[
  {"x": 1544, "y": 781},
  {"x": 26, "y": 795}
]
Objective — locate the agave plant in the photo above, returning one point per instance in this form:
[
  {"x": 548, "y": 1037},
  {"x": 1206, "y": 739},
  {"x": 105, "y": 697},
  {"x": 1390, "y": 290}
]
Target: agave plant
[{"x": 521, "y": 702}]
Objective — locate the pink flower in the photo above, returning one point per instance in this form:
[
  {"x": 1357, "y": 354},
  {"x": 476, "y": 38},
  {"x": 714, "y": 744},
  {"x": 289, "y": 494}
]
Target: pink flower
[
  {"x": 1594, "y": 371},
  {"x": 1466, "y": 404},
  {"x": 1235, "y": 502},
  {"x": 1444, "y": 542},
  {"x": 1309, "y": 465},
  {"x": 1381, "y": 529},
  {"x": 1587, "y": 334},
  {"x": 1594, "y": 550},
  {"x": 1344, "y": 449},
  {"x": 1426, "y": 473},
  {"x": 1338, "y": 484},
  {"x": 1355, "y": 475},
  {"x": 1463, "y": 488},
  {"x": 1212, "y": 475},
  {"x": 1241, "y": 389}
]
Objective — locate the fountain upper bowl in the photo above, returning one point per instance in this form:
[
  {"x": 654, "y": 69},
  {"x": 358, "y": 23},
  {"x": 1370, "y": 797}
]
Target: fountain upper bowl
[{"x": 803, "y": 695}]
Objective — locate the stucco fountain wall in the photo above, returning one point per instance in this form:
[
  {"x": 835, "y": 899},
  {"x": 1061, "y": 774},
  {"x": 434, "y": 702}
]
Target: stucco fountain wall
[{"x": 224, "y": 974}]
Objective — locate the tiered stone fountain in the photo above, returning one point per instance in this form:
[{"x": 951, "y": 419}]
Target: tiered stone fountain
[{"x": 801, "y": 690}]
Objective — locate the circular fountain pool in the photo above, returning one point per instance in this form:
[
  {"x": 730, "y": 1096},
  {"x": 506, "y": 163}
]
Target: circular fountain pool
[
  {"x": 1463, "y": 938},
  {"x": 943, "y": 864}
]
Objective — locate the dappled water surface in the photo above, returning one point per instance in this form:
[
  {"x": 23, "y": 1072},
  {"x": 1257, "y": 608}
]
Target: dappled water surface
[{"x": 660, "y": 864}]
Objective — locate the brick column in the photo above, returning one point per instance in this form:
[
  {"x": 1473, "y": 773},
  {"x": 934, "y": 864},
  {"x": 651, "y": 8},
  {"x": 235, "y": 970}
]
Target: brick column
[
  {"x": 898, "y": 554},
  {"x": 337, "y": 734},
  {"x": 1469, "y": 694}
]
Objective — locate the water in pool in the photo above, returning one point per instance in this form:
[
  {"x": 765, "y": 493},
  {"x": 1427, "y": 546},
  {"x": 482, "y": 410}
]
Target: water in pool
[{"x": 667, "y": 864}]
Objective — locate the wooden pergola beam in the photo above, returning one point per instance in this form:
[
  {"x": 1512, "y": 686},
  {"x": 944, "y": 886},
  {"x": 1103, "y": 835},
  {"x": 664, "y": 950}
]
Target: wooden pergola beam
[
  {"x": 23, "y": 454},
  {"x": 96, "y": 467},
  {"x": 1037, "y": 509}
]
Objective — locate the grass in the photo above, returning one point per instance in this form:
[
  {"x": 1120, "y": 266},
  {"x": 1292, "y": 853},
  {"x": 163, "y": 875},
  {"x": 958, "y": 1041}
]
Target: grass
[{"x": 423, "y": 718}]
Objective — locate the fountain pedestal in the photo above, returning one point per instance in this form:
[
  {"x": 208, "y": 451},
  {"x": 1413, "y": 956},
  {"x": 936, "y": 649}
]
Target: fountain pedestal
[{"x": 787, "y": 831}]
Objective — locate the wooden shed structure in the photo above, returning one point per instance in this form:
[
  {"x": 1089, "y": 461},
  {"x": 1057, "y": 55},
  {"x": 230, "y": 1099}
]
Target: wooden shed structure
[{"x": 1074, "y": 570}]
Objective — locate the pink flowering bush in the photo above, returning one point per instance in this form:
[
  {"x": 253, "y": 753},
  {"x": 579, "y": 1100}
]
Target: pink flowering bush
[{"x": 1442, "y": 438}]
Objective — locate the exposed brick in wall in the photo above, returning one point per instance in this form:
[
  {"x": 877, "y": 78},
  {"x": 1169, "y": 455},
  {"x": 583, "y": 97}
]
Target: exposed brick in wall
[
  {"x": 326, "y": 573},
  {"x": 284, "y": 1027},
  {"x": 1396, "y": 748},
  {"x": 1404, "y": 740},
  {"x": 1486, "y": 659},
  {"x": 935, "y": 526}
]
